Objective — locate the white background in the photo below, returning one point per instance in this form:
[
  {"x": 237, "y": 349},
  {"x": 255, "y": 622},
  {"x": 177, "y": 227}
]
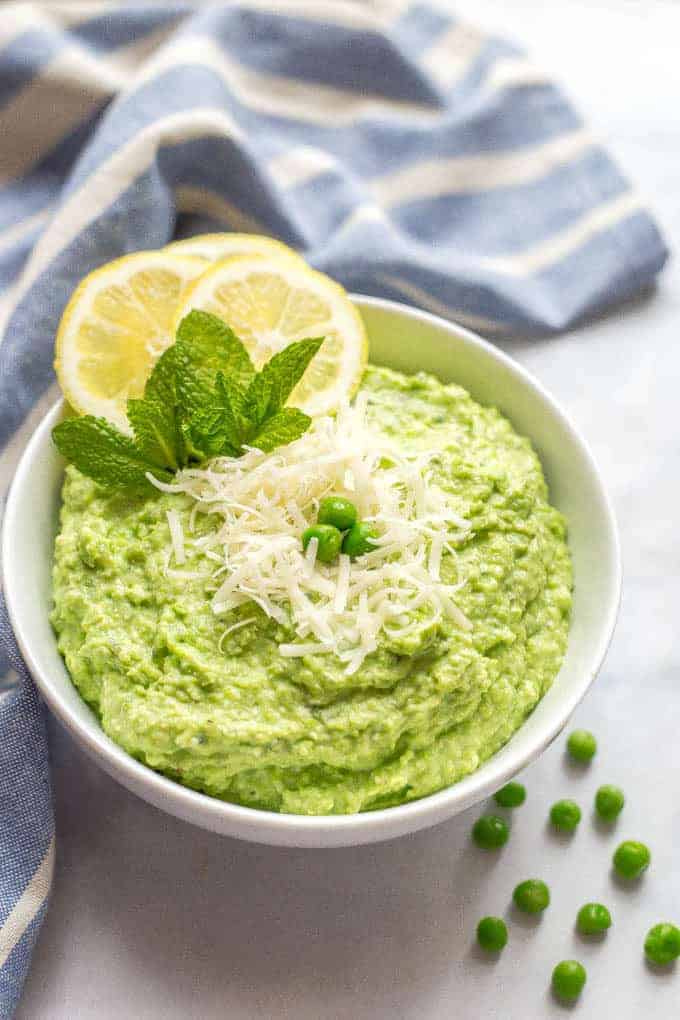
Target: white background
[{"x": 151, "y": 918}]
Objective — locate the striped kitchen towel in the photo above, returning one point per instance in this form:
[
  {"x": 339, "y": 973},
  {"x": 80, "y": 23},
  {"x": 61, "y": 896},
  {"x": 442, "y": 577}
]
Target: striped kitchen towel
[{"x": 403, "y": 152}]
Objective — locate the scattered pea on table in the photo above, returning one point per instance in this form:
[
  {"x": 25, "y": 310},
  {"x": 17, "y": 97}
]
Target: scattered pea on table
[
  {"x": 631, "y": 859},
  {"x": 531, "y": 896},
  {"x": 568, "y": 979},
  {"x": 593, "y": 919},
  {"x": 662, "y": 945},
  {"x": 492, "y": 934},
  {"x": 490, "y": 832},
  {"x": 511, "y": 795},
  {"x": 582, "y": 745},
  {"x": 609, "y": 801},
  {"x": 565, "y": 815}
]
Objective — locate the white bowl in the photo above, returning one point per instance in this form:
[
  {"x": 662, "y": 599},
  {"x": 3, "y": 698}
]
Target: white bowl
[{"x": 409, "y": 340}]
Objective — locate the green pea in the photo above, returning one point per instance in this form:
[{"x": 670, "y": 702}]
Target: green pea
[
  {"x": 593, "y": 918},
  {"x": 492, "y": 934},
  {"x": 360, "y": 539},
  {"x": 582, "y": 745},
  {"x": 631, "y": 859},
  {"x": 609, "y": 801},
  {"x": 329, "y": 539},
  {"x": 532, "y": 896},
  {"x": 568, "y": 979},
  {"x": 490, "y": 832},
  {"x": 662, "y": 945},
  {"x": 565, "y": 815},
  {"x": 339, "y": 512},
  {"x": 510, "y": 795}
]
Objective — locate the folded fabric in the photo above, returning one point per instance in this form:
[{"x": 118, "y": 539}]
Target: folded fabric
[{"x": 404, "y": 153}]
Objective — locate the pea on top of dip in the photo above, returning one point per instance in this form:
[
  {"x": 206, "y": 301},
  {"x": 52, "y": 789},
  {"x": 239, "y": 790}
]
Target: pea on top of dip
[{"x": 289, "y": 685}]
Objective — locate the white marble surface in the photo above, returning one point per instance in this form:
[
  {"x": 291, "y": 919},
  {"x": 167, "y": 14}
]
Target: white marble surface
[{"x": 154, "y": 919}]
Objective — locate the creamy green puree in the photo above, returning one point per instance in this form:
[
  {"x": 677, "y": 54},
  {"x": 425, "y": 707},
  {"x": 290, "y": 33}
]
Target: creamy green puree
[{"x": 237, "y": 720}]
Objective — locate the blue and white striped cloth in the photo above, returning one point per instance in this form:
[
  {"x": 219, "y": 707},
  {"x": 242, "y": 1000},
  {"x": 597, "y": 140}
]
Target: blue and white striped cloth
[{"x": 405, "y": 153}]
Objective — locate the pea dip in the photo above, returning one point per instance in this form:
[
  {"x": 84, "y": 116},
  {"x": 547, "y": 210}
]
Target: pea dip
[{"x": 215, "y": 647}]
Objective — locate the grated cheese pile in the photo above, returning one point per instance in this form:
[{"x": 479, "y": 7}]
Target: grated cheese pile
[{"x": 265, "y": 502}]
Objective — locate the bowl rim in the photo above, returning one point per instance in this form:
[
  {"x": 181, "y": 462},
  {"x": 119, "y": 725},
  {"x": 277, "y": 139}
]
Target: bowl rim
[{"x": 282, "y": 828}]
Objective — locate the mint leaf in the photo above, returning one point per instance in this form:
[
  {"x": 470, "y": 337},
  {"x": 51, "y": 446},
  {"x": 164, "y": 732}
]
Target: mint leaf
[
  {"x": 221, "y": 426},
  {"x": 208, "y": 438},
  {"x": 230, "y": 401},
  {"x": 156, "y": 433},
  {"x": 284, "y": 427},
  {"x": 218, "y": 427},
  {"x": 232, "y": 396},
  {"x": 103, "y": 453},
  {"x": 270, "y": 389},
  {"x": 205, "y": 346},
  {"x": 162, "y": 383},
  {"x": 155, "y": 419}
]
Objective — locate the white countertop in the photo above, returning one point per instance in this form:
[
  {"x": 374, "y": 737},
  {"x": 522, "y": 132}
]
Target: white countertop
[{"x": 151, "y": 918}]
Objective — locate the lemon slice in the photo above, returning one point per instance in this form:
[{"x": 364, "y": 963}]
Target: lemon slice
[
  {"x": 215, "y": 247},
  {"x": 119, "y": 320},
  {"x": 269, "y": 303}
]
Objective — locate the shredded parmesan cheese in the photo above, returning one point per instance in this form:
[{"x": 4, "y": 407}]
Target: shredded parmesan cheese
[
  {"x": 263, "y": 502},
  {"x": 342, "y": 586},
  {"x": 310, "y": 555},
  {"x": 235, "y": 626},
  {"x": 176, "y": 536}
]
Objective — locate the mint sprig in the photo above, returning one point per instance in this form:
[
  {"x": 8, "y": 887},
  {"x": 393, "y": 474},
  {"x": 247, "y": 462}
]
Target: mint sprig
[
  {"x": 103, "y": 453},
  {"x": 203, "y": 399}
]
